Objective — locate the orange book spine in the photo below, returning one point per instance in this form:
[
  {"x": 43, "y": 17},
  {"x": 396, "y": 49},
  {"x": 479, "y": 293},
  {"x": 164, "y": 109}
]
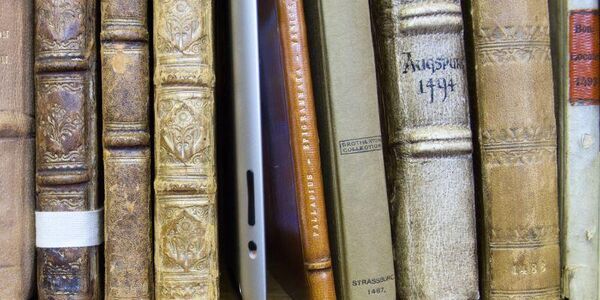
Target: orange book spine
[{"x": 305, "y": 144}]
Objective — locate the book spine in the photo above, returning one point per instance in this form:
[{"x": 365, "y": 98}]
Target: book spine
[
  {"x": 343, "y": 69},
  {"x": 421, "y": 70},
  {"x": 578, "y": 102},
  {"x": 17, "y": 202},
  {"x": 126, "y": 150},
  {"x": 185, "y": 185},
  {"x": 517, "y": 140},
  {"x": 66, "y": 143},
  {"x": 305, "y": 145}
]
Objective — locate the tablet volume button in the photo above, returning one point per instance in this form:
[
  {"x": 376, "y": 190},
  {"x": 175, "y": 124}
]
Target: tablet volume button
[{"x": 250, "y": 185}]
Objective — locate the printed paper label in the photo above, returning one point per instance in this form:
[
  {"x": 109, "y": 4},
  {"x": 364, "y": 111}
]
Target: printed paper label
[{"x": 584, "y": 59}]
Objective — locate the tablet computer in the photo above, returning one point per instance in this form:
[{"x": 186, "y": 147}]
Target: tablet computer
[{"x": 248, "y": 150}]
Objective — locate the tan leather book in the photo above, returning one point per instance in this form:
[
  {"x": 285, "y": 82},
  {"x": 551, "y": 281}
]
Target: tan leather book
[
  {"x": 128, "y": 268},
  {"x": 297, "y": 239},
  {"x": 422, "y": 84},
  {"x": 517, "y": 139},
  {"x": 345, "y": 86},
  {"x": 66, "y": 146},
  {"x": 17, "y": 245},
  {"x": 185, "y": 222}
]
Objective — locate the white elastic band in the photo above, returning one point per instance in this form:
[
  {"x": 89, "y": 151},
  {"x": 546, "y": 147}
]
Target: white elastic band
[{"x": 66, "y": 229}]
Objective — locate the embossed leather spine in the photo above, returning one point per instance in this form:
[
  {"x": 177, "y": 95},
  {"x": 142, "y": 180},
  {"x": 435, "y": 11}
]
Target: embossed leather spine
[
  {"x": 186, "y": 262},
  {"x": 517, "y": 140},
  {"x": 345, "y": 87},
  {"x": 576, "y": 42},
  {"x": 66, "y": 156},
  {"x": 17, "y": 244},
  {"x": 305, "y": 148},
  {"x": 422, "y": 85},
  {"x": 128, "y": 269}
]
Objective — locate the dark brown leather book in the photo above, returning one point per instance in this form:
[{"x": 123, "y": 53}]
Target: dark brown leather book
[
  {"x": 66, "y": 156},
  {"x": 125, "y": 107},
  {"x": 17, "y": 203},
  {"x": 297, "y": 238}
]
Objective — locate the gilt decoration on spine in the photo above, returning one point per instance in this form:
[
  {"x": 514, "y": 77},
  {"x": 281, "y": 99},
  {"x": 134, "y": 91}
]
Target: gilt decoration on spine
[
  {"x": 125, "y": 111},
  {"x": 66, "y": 158},
  {"x": 517, "y": 138},
  {"x": 422, "y": 86},
  {"x": 185, "y": 219},
  {"x": 305, "y": 150}
]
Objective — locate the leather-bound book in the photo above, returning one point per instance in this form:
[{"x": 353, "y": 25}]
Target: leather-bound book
[
  {"x": 345, "y": 87},
  {"x": 297, "y": 236},
  {"x": 576, "y": 41},
  {"x": 17, "y": 204},
  {"x": 185, "y": 222},
  {"x": 66, "y": 145},
  {"x": 517, "y": 140},
  {"x": 423, "y": 92},
  {"x": 128, "y": 267}
]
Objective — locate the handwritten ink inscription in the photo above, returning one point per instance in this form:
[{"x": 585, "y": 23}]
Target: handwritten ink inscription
[{"x": 437, "y": 84}]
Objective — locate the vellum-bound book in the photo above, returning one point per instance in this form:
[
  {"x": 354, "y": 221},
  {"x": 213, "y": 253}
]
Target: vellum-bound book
[
  {"x": 576, "y": 42},
  {"x": 422, "y": 84}
]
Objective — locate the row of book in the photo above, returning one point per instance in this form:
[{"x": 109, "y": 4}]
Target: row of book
[{"x": 411, "y": 148}]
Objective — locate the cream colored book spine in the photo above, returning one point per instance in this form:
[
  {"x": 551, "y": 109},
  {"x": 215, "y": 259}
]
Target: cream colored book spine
[
  {"x": 185, "y": 220},
  {"x": 422, "y": 80}
]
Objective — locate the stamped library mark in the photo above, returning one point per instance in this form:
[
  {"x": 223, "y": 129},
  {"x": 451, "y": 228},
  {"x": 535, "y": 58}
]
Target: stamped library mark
[{"x": 360, "y": 145}]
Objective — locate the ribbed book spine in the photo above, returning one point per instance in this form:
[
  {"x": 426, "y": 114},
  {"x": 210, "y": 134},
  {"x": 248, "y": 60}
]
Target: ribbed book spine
[
  {"x": 66, "y": 145},
  {"x": 517, "y": 139},
  {"x": 421, "y": 72},
  {"x": 576, "y": 40},
  {"x": 185, "y": 221},
  {"x": 17, "y": 187},
  {"x": 125, "y": 110}
]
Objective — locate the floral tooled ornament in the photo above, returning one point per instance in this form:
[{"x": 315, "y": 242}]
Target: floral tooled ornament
[
  {"x": 183, "y": 243},
  {"x": 183, "y": 26},
  {"x": 62, "y": 24},
  {"x": 62, "y": 130},
  {"x": 184, "y": 135}
]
